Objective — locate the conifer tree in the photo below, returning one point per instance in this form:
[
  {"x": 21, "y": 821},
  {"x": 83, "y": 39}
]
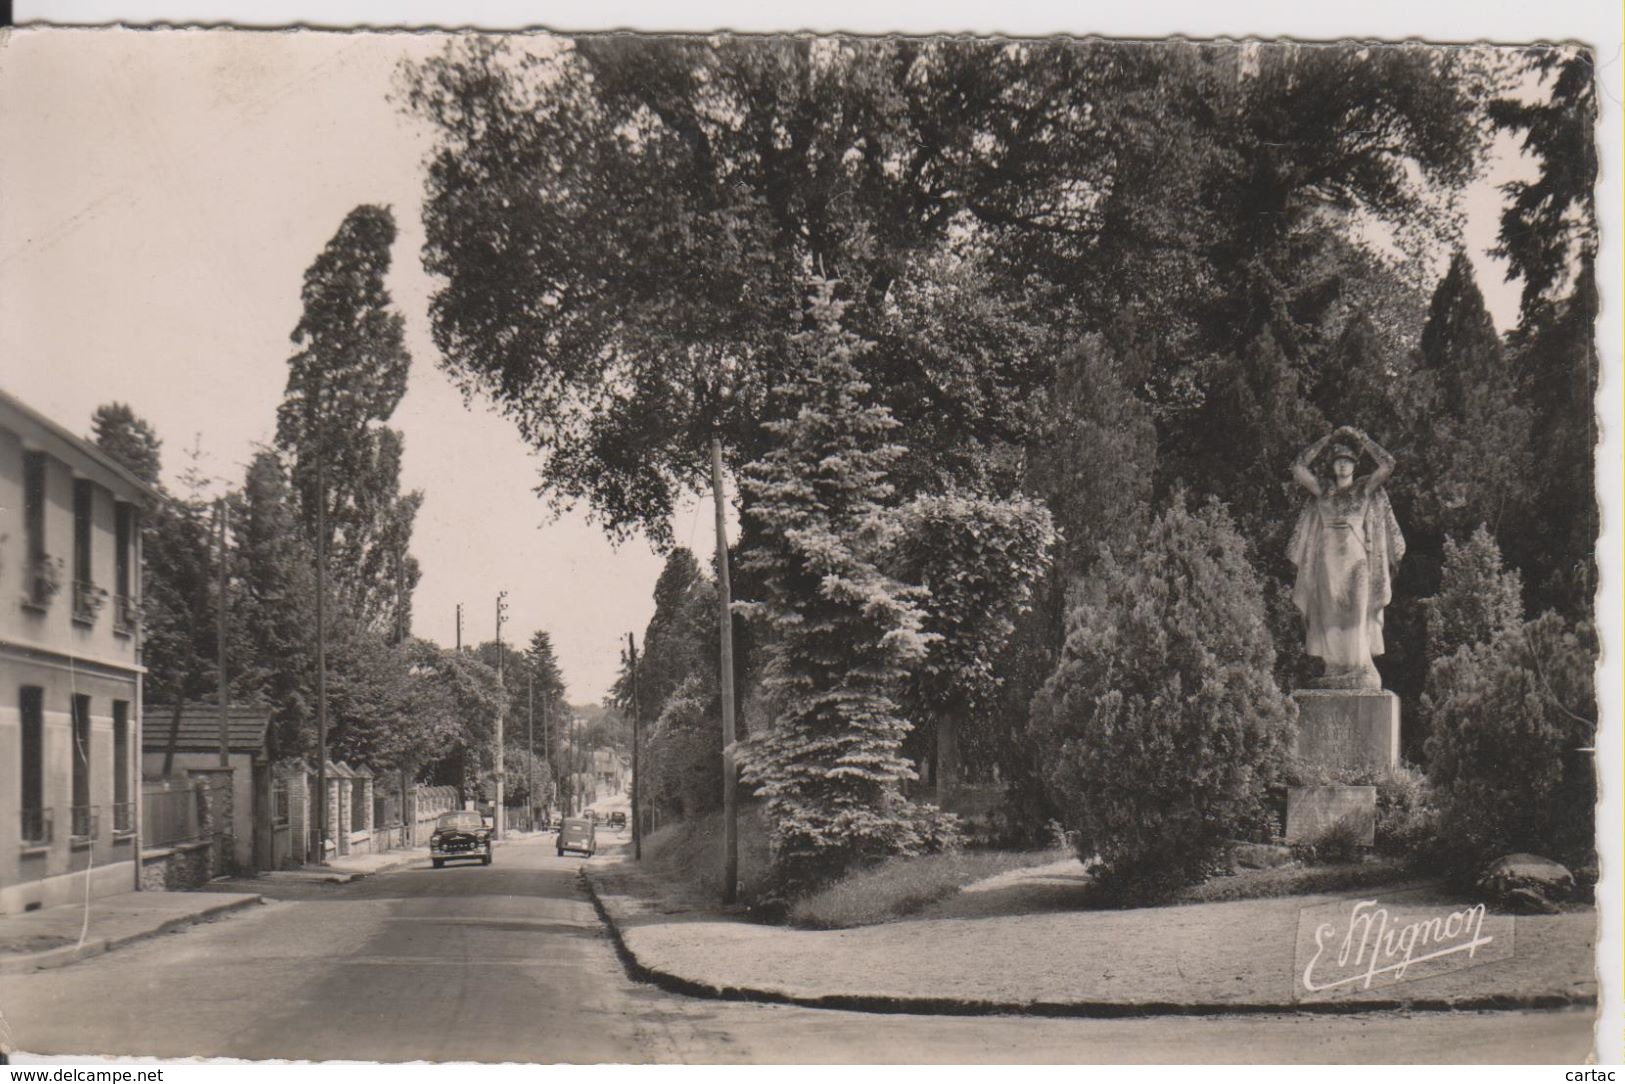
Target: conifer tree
[{"x": 830, "y": 764}]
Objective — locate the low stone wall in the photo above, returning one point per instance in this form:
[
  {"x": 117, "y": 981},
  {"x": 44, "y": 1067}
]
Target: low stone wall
[{"x": 183, "y": 866}]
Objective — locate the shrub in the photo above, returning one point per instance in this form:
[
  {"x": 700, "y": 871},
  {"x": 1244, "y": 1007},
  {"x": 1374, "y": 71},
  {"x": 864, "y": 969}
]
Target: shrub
[
  {"x": 1407, "y": 810},
  {"x": 1478, "y": 599},
  {"x": 1514, "y": 720},
  {"x": 1163, "y": 725},
  {"x": 1337, "y": 844}
]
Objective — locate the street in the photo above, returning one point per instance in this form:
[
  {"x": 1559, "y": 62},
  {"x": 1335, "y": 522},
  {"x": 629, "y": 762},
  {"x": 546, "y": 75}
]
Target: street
[{"x": 509, "y": 963}]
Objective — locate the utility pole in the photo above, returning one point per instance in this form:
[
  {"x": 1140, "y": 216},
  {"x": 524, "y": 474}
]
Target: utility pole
[
  {"x": 220, "y": 644},
  {"x": 547, "y": 746},
  {"x": 459, "y": 628},
  {"x": 321, "y": 639},
  {"x": 637, "y": 825},
  {"x": 730, "y": 774},
  {"x": 530, "y": 740},
  {"x": 502, "y": 710}
]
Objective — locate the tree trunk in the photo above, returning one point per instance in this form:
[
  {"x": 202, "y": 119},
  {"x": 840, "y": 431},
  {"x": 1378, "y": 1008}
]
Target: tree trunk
[{"x": 946, "y": 769}]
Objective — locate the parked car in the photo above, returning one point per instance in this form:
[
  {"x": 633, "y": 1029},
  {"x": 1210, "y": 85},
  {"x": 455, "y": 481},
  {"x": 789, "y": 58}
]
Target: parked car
[
  {"x": 462, "y": 833},
  {"x": 617, "y": 819},
  {"x": 577, "y": 834}
]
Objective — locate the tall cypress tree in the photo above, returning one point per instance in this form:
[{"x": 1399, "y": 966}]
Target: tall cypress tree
[
  {"x": 1549, "y": 237},
  {"x": 1472, "y": 437}
]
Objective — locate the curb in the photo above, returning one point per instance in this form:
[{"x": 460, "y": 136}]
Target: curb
[
  {"x": 947, "y": 1006},
  {"x": 61, "y": 957}
]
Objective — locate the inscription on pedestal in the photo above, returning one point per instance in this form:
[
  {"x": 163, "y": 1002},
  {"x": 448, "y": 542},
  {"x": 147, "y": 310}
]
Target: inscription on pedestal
[
  {"x": 1341, "y": 729},
  {"x": 1310, "y": 811}
]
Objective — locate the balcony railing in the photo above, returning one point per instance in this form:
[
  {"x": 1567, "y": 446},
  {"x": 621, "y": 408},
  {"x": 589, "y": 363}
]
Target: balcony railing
[
  {"x": 126, "y": 615},
  {"x": 36, "y": 827},
  {"x": 123, "y": 816},
  {"x": 88, "y": 600},
  {"x": 83, "y": 818}
]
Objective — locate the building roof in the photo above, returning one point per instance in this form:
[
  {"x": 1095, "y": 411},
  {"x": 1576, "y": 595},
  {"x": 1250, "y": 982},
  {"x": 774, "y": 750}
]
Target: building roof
[
  {"x": 49, "y": 436},
  {"x": 200, "y": 729}
]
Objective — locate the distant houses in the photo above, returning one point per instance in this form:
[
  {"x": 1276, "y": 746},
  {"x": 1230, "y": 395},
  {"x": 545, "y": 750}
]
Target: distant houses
[{"x": 70, "y": 675}]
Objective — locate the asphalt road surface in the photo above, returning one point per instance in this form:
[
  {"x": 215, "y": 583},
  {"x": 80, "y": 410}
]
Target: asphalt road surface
[{"x": 509, "y": 963}]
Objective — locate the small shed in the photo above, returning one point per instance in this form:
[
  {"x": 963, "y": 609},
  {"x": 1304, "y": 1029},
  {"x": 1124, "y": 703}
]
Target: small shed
[{"x": 189, "y": 745}]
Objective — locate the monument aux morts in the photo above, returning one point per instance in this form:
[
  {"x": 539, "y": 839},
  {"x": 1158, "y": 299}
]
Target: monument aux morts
[{"x": 1346, "y": 548}]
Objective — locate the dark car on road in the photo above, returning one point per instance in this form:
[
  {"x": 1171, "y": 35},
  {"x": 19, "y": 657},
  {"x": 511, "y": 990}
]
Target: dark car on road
[
  {"x": 617, "y": 819},
  {"x": 577, "y": 834},
  {"x": 461, "y": 833}
]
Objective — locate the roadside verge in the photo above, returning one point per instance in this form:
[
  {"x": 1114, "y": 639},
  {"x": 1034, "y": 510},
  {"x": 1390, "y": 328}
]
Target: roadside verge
[{"x": 1202, "y": 959}]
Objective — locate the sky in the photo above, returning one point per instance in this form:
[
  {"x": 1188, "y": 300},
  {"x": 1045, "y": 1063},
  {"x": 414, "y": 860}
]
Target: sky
[{"x": 153, "y": 236}]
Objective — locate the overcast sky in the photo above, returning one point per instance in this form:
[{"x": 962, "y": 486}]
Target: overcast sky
[{"x": 163, "y": 194}]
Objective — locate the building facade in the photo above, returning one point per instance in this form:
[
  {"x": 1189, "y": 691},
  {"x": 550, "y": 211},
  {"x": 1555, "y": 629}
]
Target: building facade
[{"x": 70, "y": 673}]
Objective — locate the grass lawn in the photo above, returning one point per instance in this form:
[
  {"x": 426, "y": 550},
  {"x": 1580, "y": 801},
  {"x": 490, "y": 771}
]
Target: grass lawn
[{"x": 905, "y": 886}]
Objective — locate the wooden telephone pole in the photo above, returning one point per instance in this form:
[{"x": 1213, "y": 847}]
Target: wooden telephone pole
[
  {"x": 637, "y": 822},
  {"x": 502, "y": 710}
]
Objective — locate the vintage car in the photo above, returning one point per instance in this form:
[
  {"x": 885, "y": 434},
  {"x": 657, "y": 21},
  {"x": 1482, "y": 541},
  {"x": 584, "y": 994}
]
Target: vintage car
[
  {"x": 462, "y": 833},
  {"x": 577, "y": 834},
  {"x": 617, "y": 819}
]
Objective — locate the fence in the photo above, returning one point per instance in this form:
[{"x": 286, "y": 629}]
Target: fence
[
  {"x": 520, "y": 818},
  {"x": 169, "y": 814},
  {"x": 427, "y": 805}
]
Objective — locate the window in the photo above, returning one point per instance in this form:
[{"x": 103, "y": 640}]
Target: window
[
  {"x": 82, "y": 499},
  {"x": 123, "y": 808},
  {"x": 83, "y": 826},
  {"x": 123, "y": 562},
  {"x": 36, "y": 822},
  {"x": 37, "y": 586},
  {"x": 86, "y": 597}
]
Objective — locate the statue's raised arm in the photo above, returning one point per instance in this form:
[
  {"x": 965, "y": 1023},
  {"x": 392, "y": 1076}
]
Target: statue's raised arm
[{"x": 1346, "y": 547}]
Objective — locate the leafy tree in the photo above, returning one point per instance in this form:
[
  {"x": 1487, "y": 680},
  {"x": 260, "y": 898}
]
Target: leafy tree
[
  {"x": 682, "y": 757},
  {"x": 122, "y": 434},
  {"x": 1163, "y": 726},
  {"x": 344, "y": 383},
  {"x": 278, "y": 606},
  {"x": 369, "y": 690},
  {"x": 651, "y": 205},
  {"x": 1511, "y": 751},
  {"x": 458, "y": 695},
  {"x": 179, "y": 570},
  {"x": 978, "y": 560},
  {"x": 678, "y": 693},
  {"x": 830, "y": 766}
]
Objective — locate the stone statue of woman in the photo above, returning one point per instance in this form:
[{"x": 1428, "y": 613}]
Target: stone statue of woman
[{"x": 1346, "y": 547}]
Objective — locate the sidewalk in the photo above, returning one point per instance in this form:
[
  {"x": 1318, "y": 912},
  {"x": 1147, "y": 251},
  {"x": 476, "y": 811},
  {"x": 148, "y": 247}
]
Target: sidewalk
[
  {"x": 1230, "y": 957},
  {"x": 50, "y": 938}
]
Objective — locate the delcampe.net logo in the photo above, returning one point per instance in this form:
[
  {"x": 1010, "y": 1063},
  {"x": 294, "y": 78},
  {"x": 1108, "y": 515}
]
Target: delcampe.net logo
[{"x": 1353, "y": 946}]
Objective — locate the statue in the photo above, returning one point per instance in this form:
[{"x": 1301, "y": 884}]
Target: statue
[{"x": 1346, "y": 546}]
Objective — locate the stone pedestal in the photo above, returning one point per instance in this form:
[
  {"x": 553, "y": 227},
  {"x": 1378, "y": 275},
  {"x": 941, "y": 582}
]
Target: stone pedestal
[
  {"x": 1342, "y": 730},
  {"x": 1310, "y": 811},
  {"x": 1348, "y": 729}
]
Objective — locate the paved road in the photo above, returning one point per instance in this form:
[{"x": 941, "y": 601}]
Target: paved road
[{"x": 508, "y": 963}]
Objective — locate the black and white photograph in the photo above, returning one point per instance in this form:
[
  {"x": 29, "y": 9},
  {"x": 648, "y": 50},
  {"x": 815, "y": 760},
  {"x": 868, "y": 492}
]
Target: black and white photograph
[{"x": 713, "y": 544}]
